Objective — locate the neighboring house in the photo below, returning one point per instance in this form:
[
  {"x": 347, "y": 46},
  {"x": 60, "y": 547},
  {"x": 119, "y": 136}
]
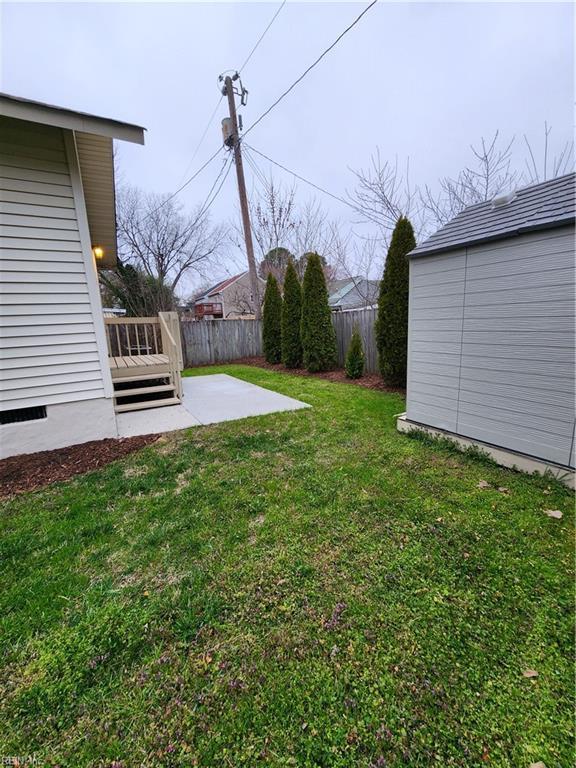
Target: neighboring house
[
  {"x": 229, "y": 299},
  {"x": 352, "y": 293},
  {"x": 57, "y": 209},
  {"x": 491, "y": 326}
]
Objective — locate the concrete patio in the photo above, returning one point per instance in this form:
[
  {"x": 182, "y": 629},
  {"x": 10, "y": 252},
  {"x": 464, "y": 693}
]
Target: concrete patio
[{"x": 207, "y": 400}]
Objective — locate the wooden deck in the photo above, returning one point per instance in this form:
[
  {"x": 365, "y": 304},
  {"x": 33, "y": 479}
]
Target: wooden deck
[
  {"x": 124, "y": 366},
  {"x": 145, "y": 358}
]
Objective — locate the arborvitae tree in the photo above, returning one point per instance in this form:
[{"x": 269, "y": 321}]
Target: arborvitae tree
[
  {"x": 318, "y": 336},
  {"x": 355, "y": 356},
  {"x": 291, "y": 318},
  {"x": 392, "y": 320},
  {"x": 271, "y": 317}
]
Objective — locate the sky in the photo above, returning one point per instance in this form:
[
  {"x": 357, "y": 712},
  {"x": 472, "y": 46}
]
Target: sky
[{"x": 417, "y": 80}]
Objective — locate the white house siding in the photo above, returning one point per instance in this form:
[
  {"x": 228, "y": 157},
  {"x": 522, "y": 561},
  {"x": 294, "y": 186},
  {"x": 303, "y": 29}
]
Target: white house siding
[
  {"x": 492, "y": 343},
  {"x": 50, "y": 349}
]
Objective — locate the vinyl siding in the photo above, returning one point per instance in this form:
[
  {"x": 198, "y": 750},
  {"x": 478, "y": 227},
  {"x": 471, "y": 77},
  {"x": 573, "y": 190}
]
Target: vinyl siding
[
  {"x": 496, "y": 362},
  {"x": 48, "y": 340}
]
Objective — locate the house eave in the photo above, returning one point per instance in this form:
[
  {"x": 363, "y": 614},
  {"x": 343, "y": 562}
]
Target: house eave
[{"x": 61, "y": 117}]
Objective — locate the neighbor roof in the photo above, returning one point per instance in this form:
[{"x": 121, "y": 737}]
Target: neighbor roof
[
  {"x": 61, "y": 117},
  {"x": 540, "y": 206},
  {"x": 339, "y": 289},
  {"x": 217, "y": 287}
]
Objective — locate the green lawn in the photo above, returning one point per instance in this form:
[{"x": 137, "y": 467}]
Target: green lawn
[{"x": 301, "y": 589}]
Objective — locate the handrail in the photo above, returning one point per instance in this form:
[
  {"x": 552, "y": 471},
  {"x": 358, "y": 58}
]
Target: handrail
[
  {"x": 131, "y": 320},
  {"x": 171, "y": 347}
]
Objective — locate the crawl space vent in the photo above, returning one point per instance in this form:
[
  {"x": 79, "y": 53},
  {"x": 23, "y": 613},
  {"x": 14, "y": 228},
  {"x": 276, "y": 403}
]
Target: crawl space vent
[{"x": 23, "y": 414}]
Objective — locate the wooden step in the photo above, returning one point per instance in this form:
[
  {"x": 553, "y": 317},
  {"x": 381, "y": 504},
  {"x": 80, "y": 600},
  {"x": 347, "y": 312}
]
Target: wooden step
[
  {"x": 141, "y": 377},
  {"x": 143, "y": 390},
  {"x": 147, "y": 404}
]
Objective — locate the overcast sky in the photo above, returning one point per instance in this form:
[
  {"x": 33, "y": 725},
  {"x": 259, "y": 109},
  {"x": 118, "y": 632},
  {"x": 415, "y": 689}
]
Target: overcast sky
[{"x": 422, "y": 80}]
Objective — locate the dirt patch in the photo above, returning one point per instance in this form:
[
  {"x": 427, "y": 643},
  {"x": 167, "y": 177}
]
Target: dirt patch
[
  {"x": 369, "y": 380},
  {"x": 36, "y": 470}
]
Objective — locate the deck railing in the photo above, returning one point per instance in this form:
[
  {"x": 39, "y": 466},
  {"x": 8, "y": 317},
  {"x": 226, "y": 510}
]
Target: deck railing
[
  {"x": 144, "y": 336},
  {"x": 130, "y": 336}
]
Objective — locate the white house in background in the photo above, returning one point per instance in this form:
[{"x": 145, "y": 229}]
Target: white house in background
[{"x": 59, "y": 372}]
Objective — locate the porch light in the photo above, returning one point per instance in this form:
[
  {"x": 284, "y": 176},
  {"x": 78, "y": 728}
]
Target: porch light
[{"x": 98, "y": 252}]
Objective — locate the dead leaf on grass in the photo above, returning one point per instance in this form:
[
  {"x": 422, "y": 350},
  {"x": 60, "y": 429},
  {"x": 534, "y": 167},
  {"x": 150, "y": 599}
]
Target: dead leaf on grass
[
  {"x": 539, "y": 764},
  {"x": 530, "y": 673},
  {"x": 554, "y": 513},
  {"x": 483, "y": 485},
  {"x": 504, "y": 490}
]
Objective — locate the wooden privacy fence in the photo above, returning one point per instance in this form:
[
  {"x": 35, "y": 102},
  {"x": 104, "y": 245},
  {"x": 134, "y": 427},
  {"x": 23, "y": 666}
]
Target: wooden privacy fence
[
  {"x": 220, "y": 341},
  {"x": 344, "y": 323}
]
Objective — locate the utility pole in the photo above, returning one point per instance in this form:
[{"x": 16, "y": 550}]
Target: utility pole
[{"x": 228, "y": 90}]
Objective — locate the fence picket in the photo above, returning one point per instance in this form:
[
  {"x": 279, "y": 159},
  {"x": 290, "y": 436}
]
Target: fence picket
[{"x": 221, "y": 341}]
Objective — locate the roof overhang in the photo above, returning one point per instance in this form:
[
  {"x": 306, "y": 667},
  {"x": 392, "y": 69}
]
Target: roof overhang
[
  {"x": 60, "y": 117},
  {"x": 94, "y": 146}
]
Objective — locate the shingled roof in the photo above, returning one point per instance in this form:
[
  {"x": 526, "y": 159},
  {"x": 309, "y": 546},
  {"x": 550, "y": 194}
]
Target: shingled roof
[{"x": 540, "y": 206}]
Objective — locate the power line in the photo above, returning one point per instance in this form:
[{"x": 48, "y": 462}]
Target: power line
[
  {"x": 301, "y": 178},
  {"x": 255, "y": 168},
  {"x": 213, "y": 115},
  {"x": 208, "y": 124},
  {"x": 183, "y": 186},
  {"x": 317, "y": 61},
  {"x": 262, "y": 36},
  {"x": 208, "y": 204}
]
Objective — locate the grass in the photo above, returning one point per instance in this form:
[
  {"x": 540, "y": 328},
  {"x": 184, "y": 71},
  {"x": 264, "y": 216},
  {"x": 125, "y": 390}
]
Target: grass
[{"x": 300, "y": 589}]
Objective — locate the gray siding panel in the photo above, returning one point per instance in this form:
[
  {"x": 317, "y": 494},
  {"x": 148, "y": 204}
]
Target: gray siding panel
[
  {"x": 434, "y": 345},
  {"x": 496, "y": 363}
]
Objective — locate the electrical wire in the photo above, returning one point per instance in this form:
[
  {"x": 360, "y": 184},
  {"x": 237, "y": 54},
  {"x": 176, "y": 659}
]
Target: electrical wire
[
  {"x": 314, "y": 63},
  {"x": 262, "y": 36},
  {"x": 200, "y": 142},
  {"x": 301, "y": 178},
  {"x": 255, "y": 168},
  {"x": 207, "y": 204},
  {"x": 183, "y": 186}
]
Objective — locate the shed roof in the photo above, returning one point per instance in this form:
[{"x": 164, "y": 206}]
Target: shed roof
[{"x": 539, "y": 206}]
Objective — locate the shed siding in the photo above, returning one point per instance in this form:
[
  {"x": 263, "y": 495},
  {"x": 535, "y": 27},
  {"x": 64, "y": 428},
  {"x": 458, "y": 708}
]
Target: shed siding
[
  {"x": 48, "y": 340},
  {"x": 498, "y": 367},
  {"x": 434, "y": 343}
]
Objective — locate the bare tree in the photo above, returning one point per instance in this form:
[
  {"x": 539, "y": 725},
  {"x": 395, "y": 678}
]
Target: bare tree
[
  {"x": 283, "y": 228},
  {"x": 489, "y": 173},
  {"x": 548, "y": 167},
  {"x": 157, "y": 237},
  {"x": 383, "y": 193}
]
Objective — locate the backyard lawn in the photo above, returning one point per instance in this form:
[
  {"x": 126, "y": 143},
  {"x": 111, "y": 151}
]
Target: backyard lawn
[{"x": 300, "y": 589}]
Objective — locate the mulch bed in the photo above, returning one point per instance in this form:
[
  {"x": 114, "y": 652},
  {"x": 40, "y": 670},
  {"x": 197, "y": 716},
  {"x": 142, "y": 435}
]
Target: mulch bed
[
  {"x": 369, "y": 380},
  {"x": 31, "y": 471}
]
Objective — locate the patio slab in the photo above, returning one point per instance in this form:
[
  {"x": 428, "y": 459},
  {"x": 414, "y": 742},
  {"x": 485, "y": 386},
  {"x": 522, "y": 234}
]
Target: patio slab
[
  {"x": 207, "y": 400},
  {"x": 219, "y": 397}
]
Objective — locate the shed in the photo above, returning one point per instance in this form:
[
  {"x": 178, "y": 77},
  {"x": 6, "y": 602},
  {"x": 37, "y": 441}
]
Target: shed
[{"x": 491, "y": 328}]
